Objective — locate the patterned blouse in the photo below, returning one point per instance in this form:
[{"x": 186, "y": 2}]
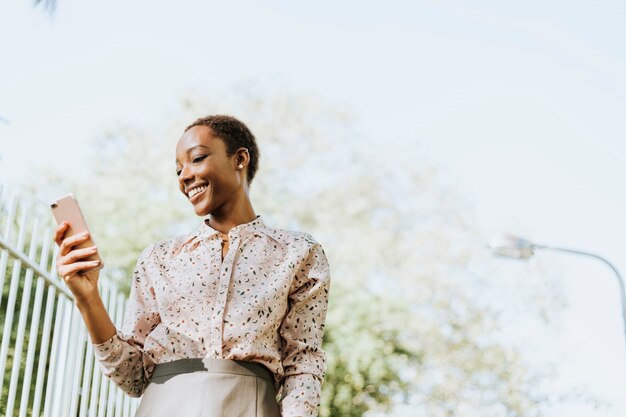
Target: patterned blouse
[{"x": 265, "y": 302}]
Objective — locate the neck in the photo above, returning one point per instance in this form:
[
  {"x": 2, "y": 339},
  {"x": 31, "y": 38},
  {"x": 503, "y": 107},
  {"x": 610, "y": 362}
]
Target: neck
[{"x": 239, "y": 213}]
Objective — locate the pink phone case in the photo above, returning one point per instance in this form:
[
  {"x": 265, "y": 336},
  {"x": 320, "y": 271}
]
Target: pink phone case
[{"x": 66, "y": 209}]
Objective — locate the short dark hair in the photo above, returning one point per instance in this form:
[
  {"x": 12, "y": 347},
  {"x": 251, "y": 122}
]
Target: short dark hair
[{"x": 235, "y": 135}]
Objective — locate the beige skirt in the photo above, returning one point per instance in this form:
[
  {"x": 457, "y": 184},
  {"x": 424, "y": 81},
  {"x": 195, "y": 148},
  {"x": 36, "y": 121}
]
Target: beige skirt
[{"x": 209, "y": 388}]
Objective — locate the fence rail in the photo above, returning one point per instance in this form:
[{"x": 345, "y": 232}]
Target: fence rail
[{"x": 47, "y": 364}]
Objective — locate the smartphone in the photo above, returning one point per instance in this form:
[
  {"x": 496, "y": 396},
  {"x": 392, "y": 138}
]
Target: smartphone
[{"x": 66, "y": 209}]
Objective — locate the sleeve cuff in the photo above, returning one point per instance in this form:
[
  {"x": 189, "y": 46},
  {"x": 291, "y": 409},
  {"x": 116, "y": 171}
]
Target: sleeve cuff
[
  {"x": 108, "y": 348},
  {"x": 301, "y": 396}
]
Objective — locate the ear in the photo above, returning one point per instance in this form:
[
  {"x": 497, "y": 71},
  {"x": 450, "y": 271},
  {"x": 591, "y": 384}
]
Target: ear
[{"x": 242, "y": 158}]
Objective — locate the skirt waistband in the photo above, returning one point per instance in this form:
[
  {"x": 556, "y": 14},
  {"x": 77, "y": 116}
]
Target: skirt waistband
[{"x": 164, "y": 371}]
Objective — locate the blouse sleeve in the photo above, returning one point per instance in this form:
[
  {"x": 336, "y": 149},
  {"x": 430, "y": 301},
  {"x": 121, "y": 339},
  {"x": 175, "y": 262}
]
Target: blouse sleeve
[
  {"x": 121, "y": 357},
  {"x": 304, "y": 361}
]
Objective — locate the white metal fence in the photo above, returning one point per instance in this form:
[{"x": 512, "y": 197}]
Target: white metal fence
[{"x": 47, "y": 365}]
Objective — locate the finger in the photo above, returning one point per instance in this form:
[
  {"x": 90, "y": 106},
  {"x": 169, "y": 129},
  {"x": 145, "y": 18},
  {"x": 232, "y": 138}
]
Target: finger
[
  {"x": 60, "y": 232},
  {"x": 76, "y": 267},
  {"x": 78, "y": 254},
  {"x": 68, "y": 243}
]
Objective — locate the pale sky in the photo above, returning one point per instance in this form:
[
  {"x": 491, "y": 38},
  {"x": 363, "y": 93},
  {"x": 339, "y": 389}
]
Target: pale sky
[{"x": 521, "y": 105}]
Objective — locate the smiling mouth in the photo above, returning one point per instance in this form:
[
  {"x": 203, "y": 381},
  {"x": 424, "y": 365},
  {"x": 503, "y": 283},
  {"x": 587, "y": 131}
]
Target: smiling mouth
[{"x": 195, "y": 192}]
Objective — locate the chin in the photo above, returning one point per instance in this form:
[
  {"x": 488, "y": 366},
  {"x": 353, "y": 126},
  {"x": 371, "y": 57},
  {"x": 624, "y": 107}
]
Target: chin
[{"x": 201, "y": 210}]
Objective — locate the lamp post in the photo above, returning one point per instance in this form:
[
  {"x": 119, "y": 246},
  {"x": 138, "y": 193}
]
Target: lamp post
[{"x": 518, "y": 248}]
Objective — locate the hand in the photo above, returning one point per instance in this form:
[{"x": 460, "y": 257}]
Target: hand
[{"x": 70, "y": 267}]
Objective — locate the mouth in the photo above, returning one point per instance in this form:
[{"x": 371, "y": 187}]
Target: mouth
[{"x": 195, "y": 193}]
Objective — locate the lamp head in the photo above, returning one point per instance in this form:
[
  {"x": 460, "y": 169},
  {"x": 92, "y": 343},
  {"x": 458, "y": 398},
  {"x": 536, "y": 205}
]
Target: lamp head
[{"x": 512, "y": 247}]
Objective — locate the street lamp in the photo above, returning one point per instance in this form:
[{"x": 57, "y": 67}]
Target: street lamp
[{"x": 518, "y": 248}]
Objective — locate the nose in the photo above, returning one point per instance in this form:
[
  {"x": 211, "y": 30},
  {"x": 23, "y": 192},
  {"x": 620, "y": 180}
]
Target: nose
[{"x": 186, "y": 176}]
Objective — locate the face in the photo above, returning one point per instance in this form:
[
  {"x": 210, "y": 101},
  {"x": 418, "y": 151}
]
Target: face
[{"x": 207, "y": 175}]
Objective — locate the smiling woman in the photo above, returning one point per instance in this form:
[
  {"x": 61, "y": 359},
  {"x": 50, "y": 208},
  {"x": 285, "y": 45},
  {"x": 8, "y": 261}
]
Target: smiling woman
[
  {"x": 211, "y": 171},
  {"x": 227, "y": 319}
]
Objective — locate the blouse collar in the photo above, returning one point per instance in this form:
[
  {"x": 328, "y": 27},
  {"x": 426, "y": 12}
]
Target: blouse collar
[{"x": 256, "y": 225}]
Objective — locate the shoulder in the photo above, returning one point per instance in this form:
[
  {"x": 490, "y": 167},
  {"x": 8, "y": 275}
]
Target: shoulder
[
  {"x": 166, "y": 248},
  {"x": 301, "y": 244},
  {"x": 297, "y": 240}
]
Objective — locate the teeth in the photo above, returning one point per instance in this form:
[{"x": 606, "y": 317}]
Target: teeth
[{"x": 196, "y": 190}]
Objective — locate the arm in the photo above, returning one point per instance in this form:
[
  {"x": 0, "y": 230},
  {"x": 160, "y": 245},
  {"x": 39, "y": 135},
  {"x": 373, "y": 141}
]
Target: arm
[
  {"x": 302, "y": 331},
  {"x": 121, "y": 356},
  {"x": 96, "y": 318}
]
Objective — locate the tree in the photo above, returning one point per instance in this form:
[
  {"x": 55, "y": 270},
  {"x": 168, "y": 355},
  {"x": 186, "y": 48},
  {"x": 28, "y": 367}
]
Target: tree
[
  {"x": 48, "y": 5},
  {"x": 405, "y": 328}
]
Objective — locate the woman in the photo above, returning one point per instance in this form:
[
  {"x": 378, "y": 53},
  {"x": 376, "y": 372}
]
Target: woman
[{"x": 220, "y": 320}]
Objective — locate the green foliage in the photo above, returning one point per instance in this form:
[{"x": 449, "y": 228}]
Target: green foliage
[{"x": 366, "y": 353}]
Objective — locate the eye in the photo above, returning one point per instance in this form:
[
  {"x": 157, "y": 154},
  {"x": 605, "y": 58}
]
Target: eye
[
  {"x": 178, "y": 172},
  {"x": 198, "y": 159}
]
